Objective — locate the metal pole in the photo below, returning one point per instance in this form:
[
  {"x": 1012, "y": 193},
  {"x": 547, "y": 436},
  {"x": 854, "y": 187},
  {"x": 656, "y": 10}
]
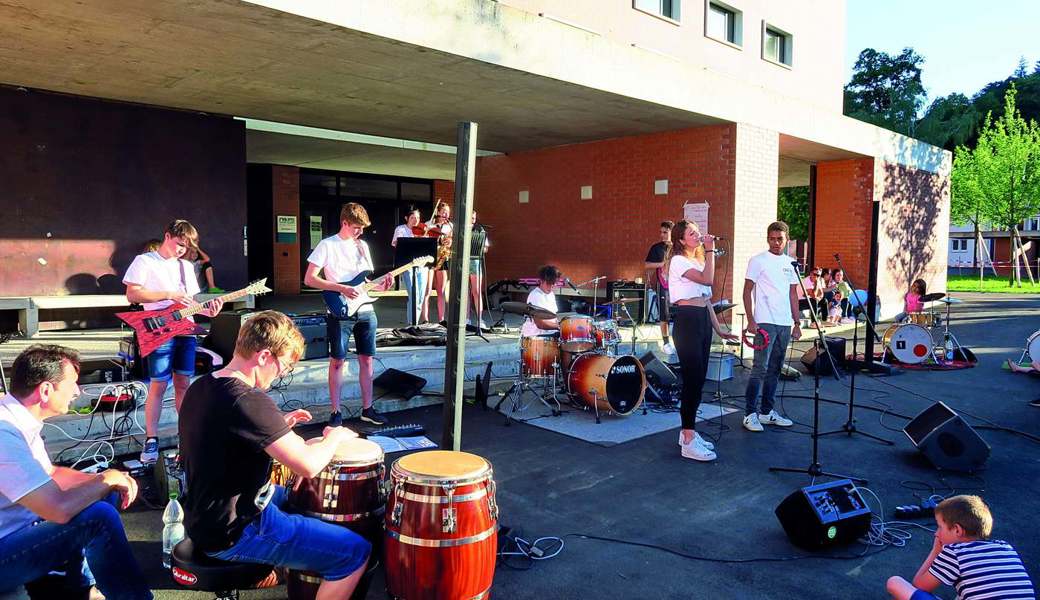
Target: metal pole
[
  {"x": 455, "y": 357},
  {"x": 872, "y": 281}
]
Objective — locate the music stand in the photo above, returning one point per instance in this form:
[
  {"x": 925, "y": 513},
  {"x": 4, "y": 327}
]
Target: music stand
[{"x": 407, "y": 250}]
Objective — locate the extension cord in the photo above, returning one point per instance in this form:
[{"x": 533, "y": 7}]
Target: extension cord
[{"x": 913, "y": 511}]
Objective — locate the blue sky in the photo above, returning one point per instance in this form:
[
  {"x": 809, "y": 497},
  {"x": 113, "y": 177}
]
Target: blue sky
[{"x": 965, "y": 44}]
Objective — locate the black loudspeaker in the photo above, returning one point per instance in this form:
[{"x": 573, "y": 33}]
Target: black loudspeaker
[
  {"x": 399, "y": 383},
  {"x": 661, "y": 380},
  {"x": 827, "y": 514},
  {"x": 223, "y": 333},
  {"x": 315, "y": 335},
  {"x": 812, "y": 358},
  {"x": 946, "y": 439},
  {"x": 617, "y": 290}
]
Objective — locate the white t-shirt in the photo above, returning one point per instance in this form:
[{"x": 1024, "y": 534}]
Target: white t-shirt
[
  {"x": 157, "y": 274},
  {"x": 341, "y": 259},
  {"x": 445, "y": 229},
  {"x": 773, "y": 276},
  {"x": 400, "y": 232},
  {"x": 546, "y": 300},
  {"x": 24, "y": 464},
  {"x": 681, "y": 288}
]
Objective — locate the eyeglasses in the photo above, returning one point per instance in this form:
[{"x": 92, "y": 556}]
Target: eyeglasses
[{"x": 283, "y": 371}]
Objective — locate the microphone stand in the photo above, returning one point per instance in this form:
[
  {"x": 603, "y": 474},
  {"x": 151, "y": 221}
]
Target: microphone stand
[
  {"x": 850, "y": 424},
  {"x": 815, "y": 469}
]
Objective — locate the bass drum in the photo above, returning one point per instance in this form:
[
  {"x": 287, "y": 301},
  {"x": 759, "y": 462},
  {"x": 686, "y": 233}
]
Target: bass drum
[
  {"x": 911, "y": 344},
  {"x": 1033, "y": 347},
  {"x": 611, "y": 383}
]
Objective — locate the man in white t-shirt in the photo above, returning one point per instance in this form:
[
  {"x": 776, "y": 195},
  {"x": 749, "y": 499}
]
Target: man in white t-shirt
[
  {"x": 157, "y": 280},
  {"x": 771, "y": 303},
  {"x": 542, "y": 297},
  {"x": 52, "y": 519},
  {"x": 337, "y": 259},
  {"x": 418, "y": 309}
]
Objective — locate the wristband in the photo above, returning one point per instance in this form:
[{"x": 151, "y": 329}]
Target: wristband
[{"x": 749, "y": 339}]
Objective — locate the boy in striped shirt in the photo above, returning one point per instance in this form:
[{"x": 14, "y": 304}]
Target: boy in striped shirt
[{"x": 964, "y": 557}]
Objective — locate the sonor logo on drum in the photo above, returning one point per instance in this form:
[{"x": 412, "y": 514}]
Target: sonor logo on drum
[{"x": 623, "y": 369}]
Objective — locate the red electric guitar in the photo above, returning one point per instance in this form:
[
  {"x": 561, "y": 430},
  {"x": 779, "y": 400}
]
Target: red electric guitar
[{"x": 155, "y": 327}]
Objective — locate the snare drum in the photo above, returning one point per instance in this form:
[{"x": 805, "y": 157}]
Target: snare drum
[
  {"x": 441, "y": 526},
  {"x": 607, "y": 336},
  {"x": 909, "y": 343},
  {"x": 576, "y": 333},
  {"x": 924, "y": 319},
  {"x": 539, "y": 354},
  {"x": 611, "y": 383}
]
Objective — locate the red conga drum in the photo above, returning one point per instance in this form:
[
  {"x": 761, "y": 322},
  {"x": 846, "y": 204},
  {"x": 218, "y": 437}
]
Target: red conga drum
[
  {"x": 348, "y": 492},
  {"x": 441, "y": 527}
]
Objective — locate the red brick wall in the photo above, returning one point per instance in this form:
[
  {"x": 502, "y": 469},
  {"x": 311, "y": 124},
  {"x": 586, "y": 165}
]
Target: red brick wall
[
  {"x": 844, "y": 191},
  {"x": 610, "y": 233},
  {"x": 285, "y": 191},
  {"x": 444, "y": 190}
]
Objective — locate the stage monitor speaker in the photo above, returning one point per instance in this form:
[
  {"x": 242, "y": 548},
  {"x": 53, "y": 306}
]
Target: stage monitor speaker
[
  {"x": 399, "y": 383},
  {"x": 826, "y": 514},
  {"x": 617, "y": 290},
  {"x": 223, "y": 332},
  {"x": 661, "y": 380},
  {"x": 811, "y": 358},
  {"x": 946, "y": 439}
]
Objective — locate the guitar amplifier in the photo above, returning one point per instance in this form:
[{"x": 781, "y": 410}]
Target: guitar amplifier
[
  {"x": 622, "y": 289},
  {"x": 315, "y": 335}
]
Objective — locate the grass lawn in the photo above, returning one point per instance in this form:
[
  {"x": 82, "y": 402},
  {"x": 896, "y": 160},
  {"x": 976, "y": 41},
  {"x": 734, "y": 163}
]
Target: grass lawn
[{"x": 991, "y": 284}]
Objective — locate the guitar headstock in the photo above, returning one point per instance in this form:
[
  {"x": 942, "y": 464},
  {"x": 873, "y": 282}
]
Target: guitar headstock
[
  {"x": 258, "y": 287},
  {"x": 422, "y": 261}
]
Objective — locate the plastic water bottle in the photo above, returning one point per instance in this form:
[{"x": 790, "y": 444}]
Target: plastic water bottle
[
  {"x": 949, "y": 348},
  {"x": 173, "y": 528}
]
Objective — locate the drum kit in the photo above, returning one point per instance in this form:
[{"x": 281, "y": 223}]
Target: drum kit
[
  {"x": 433, "y": 522},
  {"x": 918, "y": 339},
  {"x": 582, "y": 360}
]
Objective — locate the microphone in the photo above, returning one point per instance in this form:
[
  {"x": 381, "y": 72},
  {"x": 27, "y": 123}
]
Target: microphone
[
  {"x": 717, "y": 237},
  {"x": 796, "y": 264},
  {"x": 568, "y": 281},
  {"x": 719, "y": 252}
]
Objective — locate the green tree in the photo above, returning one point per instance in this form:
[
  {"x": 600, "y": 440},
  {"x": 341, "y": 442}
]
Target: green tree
[
  {"x": 792, "y": 207},
  {"x": 1001, "y": 174},
  {"x": 1020, "y": 71},
  {"x": 886, "y": 90},
  {"x": 949, "y": 122}
]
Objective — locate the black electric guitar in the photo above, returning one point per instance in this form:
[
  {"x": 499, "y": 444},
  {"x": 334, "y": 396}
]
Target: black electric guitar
[{"x": 346, "y": 308}]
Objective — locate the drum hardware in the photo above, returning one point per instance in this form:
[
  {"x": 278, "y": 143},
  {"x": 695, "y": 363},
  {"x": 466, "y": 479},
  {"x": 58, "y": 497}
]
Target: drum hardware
[
  {"x": 525, "y": 382},
  {"x": 932, "y": 297}
]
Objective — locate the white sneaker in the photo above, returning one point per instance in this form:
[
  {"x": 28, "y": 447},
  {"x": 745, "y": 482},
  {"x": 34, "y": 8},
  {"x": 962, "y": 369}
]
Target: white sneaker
[
  {"x": 698, "y": 439},
  {"x": 774, "y": 419},
  {"x": 668, "y": 349},
  {"x": 697, "y": 452},
  {"x": 751, "y": 423}
]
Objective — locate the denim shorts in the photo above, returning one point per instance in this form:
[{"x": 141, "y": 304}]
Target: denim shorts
[
  {"x": 175, "y": 356},
  {"x": 297, "y": 542},
  {"x": 923, "y": 595},
  {"x": 364, "y": 329}
]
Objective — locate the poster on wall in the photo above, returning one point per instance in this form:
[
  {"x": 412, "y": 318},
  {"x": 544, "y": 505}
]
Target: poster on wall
[
  {"x": 698, "y": 213},
  {"x": 285, "y": 229},
  {"x": 315, "y": 230}
]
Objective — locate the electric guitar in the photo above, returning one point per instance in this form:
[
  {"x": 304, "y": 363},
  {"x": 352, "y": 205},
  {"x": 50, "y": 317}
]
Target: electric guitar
[
  {"x": 155, "y": 327},
  {"x": 346, "y": 308}
]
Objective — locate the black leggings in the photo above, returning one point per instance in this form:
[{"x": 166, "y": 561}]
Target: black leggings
[{"x": 692, "y": 335}]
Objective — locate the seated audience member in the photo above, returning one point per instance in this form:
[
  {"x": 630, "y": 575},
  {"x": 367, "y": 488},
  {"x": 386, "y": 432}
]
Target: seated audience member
[
  {"x": 203, "y": 265},
  {"x": 230, "y": 430},
  {"x": 813, "y": 287},
  {"x": 57, "y": 519},
  {"x": 846, "y": 291},
  {"x": 1033, "y": 367},
  {"x": 964, "y": 558}
]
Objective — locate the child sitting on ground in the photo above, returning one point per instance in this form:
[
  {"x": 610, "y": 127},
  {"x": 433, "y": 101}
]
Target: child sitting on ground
[
  {"x": 964, "y": 557},
  {"x": 834, "y": 309}
]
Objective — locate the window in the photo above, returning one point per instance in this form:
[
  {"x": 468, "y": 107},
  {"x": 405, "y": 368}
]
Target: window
[
  {"x": 668, "y": 9},
  {"x": 960, "y": 245},
  {"x": 776, "y": 45},
  {"x": 723, "y": 23}
]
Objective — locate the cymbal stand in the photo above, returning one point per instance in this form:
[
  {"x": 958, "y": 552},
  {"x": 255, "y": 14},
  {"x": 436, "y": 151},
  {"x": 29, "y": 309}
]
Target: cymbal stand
[
  {"x": 949, "y": 339},
  {"x": 624, "y": 307},
  {"x": 523, "y": 384}
]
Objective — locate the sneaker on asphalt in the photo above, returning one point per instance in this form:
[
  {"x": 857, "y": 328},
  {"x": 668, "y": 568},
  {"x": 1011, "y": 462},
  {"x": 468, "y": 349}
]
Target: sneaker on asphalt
[
  {"x": 372, "y": 416},
  {"x": 335, "y": 419},
  {"x": 668, "y": 349},
  {"x": 150, "y": 454},
  {"x": 697, "y": 452},
  {"x": 773, "y": 418},
  {"x": 698, "y": 439},
  {"x": 751, "y": 423}
]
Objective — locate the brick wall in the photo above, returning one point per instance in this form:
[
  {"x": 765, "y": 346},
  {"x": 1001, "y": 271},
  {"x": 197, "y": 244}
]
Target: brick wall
[
  {"x": 610, "y": 233},
  {"x": 285, "y": 193},
  {"x": 444, "y": 190},
  {"x": 844, "y": 191}
]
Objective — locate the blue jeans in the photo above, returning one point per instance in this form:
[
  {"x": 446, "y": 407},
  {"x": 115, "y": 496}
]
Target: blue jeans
[
  {"x": 175, "y": 356},
  {"x": 363, "y": 326},
  {"x": 280, "y": 539},
  {"x": 416, "y": 295},
  {"x": 766, "y": 371},
  {"x": 95, "y": 534},
  {"x": 923, "y": 595}
]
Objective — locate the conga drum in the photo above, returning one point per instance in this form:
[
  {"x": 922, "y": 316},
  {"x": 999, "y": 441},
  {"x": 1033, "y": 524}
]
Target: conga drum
[
  {"x": 348, "y": 492},
  {"x": 441, "y": 527}
]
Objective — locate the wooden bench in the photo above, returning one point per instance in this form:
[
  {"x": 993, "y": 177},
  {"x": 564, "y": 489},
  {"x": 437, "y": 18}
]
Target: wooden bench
[{"x": 29, "y": 307}]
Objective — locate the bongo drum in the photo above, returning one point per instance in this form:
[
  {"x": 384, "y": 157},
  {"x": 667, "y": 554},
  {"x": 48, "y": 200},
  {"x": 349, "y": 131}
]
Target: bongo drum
[{"x": 441, "y": 527}]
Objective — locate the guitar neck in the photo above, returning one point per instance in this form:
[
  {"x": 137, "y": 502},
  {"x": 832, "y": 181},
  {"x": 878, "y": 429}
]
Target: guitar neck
[
  {"x": 368, "y": 285},
  {"x": 187, "y": 312}
]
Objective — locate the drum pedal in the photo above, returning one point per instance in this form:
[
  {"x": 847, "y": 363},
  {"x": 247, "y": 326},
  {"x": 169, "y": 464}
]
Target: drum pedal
[{"x": 409, "y": 430}]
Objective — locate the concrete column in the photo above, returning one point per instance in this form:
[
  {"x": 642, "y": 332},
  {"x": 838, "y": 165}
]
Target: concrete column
[{"x": 285, "y": 193}]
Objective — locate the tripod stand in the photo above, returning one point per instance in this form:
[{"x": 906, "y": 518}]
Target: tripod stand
[
  {"x": 524, "y": 384},
  {"x": 815, "y": 469},
  {"x": 849, "y": 427}
]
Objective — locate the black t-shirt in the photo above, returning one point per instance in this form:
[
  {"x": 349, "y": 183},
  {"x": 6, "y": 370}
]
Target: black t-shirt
[
  {"x": 224, "y": 427},
  {"x": 658, "y": 252}
]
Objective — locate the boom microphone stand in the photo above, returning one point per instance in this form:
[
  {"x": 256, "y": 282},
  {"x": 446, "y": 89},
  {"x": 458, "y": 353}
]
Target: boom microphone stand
[
  {"x": 815, "y": 469},
  {"x": 850, "y": 425}
]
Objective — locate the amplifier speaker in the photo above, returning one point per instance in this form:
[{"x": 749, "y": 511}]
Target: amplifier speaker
[
  {"x": 315, "y": 335},
  {"x": 827, "y": 514},
  {"x": 223, "y": 332},
  {"x": 101, "y": 371},
  {"x": 946, "y": 439},
  {"x": 811, "y": 358},
  {"x": 660, "y": 378},
  {"x": 399, "y": 383},
  {"x": 617, "y": 290}
]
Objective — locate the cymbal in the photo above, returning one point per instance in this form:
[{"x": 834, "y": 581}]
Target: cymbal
[
  {"x": 620, "y": 301},
  {"x": 932, "y": 297},
  {"x": 722, "y": 307},
  {"x": 528, "y": 310},
  {"x": 951, "y": 301}
]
